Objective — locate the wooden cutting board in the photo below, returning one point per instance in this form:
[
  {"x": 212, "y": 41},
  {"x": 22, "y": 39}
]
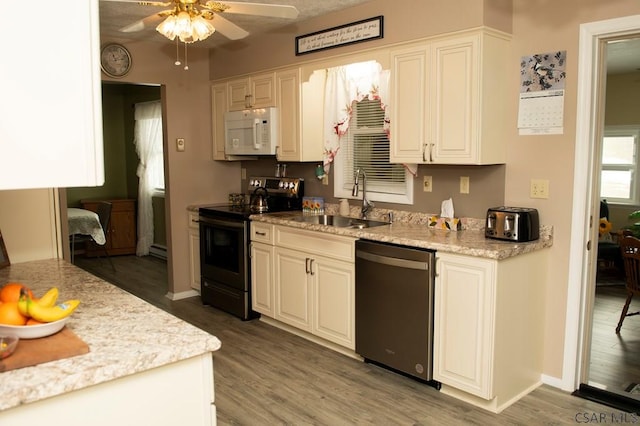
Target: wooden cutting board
[{"x": 63, "y": 344}]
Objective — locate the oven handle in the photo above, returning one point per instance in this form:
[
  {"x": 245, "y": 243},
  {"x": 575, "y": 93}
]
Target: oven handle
[{"x": 227, "y": 223}]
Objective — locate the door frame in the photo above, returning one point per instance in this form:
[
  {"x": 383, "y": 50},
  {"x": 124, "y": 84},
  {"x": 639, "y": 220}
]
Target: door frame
[{"x": 589, "y": 124}]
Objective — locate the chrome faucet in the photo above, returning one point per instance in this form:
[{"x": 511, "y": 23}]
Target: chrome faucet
[{"x": 366, "y": 204}]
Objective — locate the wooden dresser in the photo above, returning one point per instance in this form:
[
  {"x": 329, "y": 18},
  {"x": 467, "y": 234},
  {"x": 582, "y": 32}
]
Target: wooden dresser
[{"x": 121, "y": 235}]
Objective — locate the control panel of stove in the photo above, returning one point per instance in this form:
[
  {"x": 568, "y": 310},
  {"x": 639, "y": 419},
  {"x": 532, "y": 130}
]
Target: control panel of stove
[{"x": 292, "y": 187}]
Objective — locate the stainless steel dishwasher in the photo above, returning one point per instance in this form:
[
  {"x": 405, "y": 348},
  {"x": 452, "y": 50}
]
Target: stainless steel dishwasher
[{"x": 394, "y": 307}]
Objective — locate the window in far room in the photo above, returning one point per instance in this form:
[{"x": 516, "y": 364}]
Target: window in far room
[{"x": 619, "y": 167}]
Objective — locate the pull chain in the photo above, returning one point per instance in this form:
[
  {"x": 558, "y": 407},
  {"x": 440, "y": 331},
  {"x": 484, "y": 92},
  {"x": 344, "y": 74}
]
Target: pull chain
[
  {"x": 177, "y": 53},
  {"x": 186, "y": 61}
]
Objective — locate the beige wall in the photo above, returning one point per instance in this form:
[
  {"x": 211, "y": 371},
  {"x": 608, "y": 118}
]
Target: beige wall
[
  {"x": 537, "y": 27},
  {"x": 192, "y": 176},
  {"x": 27, "y": 223},
  {"x": 543, "y": 26}
]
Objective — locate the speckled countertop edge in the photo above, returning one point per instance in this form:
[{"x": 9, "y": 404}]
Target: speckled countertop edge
[
  {"x": 470, "y": 241},
  {"x": 125, "y": 334}
]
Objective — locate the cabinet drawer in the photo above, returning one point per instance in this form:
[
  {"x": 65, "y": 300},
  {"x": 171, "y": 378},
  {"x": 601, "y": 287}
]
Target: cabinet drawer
[
  {"x": 194, "y": 218},
  {"x": 262, "y": 232},
  {"x": 334, "y": 246}
]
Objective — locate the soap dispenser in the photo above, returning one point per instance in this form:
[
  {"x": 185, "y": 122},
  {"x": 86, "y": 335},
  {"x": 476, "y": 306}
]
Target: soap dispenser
[{"x": 344, "y": 207}]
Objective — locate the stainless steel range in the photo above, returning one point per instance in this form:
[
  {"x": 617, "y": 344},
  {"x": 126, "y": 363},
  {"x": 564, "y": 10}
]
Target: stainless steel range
[{"x": 224, "y": 242}]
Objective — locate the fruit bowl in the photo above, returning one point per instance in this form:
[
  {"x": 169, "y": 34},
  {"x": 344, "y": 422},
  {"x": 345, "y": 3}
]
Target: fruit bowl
[
  {"x": 33, "y": 331},
  {"x": 8, "y": 344}
]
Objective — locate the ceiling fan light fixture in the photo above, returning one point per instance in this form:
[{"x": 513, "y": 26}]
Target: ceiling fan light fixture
[
  {"x": 168, "y": 27},
  {"x": 201, "y": 28},
  {"x": 188, "y": 26}
]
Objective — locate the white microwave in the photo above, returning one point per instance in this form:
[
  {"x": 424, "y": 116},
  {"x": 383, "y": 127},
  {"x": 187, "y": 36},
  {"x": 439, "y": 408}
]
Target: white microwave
[{"x": 251, "y": 132}]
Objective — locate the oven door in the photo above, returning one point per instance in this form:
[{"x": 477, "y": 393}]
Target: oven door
[{"x": 223, "y": 249}]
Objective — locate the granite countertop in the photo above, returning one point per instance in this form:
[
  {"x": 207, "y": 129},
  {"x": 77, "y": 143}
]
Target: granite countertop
[
  {"x": 413, "y": 231},
  {"x": 125, "y": 334}
]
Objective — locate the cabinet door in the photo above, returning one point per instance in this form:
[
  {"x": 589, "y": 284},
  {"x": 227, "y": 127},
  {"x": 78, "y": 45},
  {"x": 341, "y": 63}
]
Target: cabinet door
[
  {"x": 454, "y": 99},
  {"x": 333, "y": 300},
  {"x": 465, "y": 323},
  {"x": 238, "y": 91},
  {"x": 409, "y": 105},
  {"x": 51, "y": 121},
  {"x": 218, "y": 108},
  {"x": 293, "y": 296},
  {"x": 123, "y": 231},
  {"x": 194, "y": 251},
  {"x": 263, "y": 90},
  {"x": 262, "y": 291},
  {"x": 288, "y": 101}
]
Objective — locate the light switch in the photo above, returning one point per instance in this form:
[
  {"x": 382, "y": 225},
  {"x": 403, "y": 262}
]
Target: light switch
[
  {"x": 464, "y": 184},
  {"x": 180, "y": 144}
]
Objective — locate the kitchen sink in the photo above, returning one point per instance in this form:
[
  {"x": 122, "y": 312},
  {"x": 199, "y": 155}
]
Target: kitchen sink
[{"x": 341, "y": 221}]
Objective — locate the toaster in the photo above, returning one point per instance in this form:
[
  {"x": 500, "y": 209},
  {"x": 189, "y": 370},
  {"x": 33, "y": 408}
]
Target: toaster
[{"x": 519, "y": 224}]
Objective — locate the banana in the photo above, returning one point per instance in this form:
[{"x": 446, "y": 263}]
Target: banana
[
  {"x": 53, "y": 313},
  {"x": 38, "y": 312},
  {"x": 48, "y": 300}
]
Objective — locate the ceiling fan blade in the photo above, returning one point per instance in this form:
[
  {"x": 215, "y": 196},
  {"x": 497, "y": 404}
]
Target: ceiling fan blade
[
  {"x": 228, "y": 28},
  {"x": 149, "y": 21},
  {"x": 260, "y": 9},
  {"x": 144, "y": 3}
]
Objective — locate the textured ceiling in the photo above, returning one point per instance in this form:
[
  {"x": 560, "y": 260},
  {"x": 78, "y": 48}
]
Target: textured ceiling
[{"x": 117, "y": 14}]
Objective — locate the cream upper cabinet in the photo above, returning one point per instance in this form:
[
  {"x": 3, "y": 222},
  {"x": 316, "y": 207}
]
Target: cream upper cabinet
[
  {"x": 448, "y": 106},
  {"x": 488, "y": 337},
  {"x": 256, "y": 91},
  {"x": 218, "y": 108},
  {"x": 300, "y": 115},
  {"x": 51, "y": 117}
]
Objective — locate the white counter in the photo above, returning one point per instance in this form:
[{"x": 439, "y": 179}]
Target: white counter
[{"x": 127, "y": 338}]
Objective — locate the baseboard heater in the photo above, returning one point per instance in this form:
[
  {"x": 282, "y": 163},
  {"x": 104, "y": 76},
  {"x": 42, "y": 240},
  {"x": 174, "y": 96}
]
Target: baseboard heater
[{"x": 158, "y": 251}]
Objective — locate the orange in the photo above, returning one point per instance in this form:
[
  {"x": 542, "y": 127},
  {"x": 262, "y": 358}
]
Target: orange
[
  {"x": 9, "y": 314},
  {"x": 10, "y": 292},
  {"x": 31, "y": 321}
]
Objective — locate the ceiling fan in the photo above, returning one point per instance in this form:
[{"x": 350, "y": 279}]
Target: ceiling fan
[{"x": 194, "y": 20}]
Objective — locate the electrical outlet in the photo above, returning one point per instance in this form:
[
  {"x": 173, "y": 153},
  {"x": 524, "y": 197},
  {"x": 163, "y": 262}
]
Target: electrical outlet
[
  {"x": 180, "y": 144},
  {"x": 427, "y": 183},
  {"x": 464, "y": 184},
  {"x": 539, "y": 188}
]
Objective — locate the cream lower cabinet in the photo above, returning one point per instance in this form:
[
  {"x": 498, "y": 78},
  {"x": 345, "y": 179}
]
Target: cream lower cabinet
[
  {"x": 262, "y": 275},
  {"x": 194, "y": 251},
  {"x": 447, "y": 105},
  {"x": 488, "y": 335},
  {"x": 313, "y": 282}
]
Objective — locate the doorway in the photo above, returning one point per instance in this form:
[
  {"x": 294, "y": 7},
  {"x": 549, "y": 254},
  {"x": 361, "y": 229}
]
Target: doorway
[
  {"x": 590, "y": 127},
  {"x": 121, "y": 163}
]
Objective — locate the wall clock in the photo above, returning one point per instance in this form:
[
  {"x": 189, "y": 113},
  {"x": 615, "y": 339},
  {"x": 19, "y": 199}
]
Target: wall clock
[{"x": 115, "y": 60}]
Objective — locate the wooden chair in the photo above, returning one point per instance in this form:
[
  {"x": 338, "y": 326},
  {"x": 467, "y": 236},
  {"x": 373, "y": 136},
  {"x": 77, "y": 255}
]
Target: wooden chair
[
  {"x": 630, "y": 250},
  {"x": 104, "y": 216}
]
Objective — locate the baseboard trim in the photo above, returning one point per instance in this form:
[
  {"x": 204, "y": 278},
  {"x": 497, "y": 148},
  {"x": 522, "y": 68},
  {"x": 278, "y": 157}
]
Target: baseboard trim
[
  {"x": 182, "y": 295},
  {"x": 610, "y": 399}
]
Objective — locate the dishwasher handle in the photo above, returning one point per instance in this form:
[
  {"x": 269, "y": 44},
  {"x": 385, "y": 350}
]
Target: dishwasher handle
[{"x": 393, "y": 261}]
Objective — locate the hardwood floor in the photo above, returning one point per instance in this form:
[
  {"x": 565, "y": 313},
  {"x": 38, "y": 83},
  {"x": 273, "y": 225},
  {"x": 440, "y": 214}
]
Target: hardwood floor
[
  {"x": 614, "y": 362},
  {"x": 265, "y": 376}
]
